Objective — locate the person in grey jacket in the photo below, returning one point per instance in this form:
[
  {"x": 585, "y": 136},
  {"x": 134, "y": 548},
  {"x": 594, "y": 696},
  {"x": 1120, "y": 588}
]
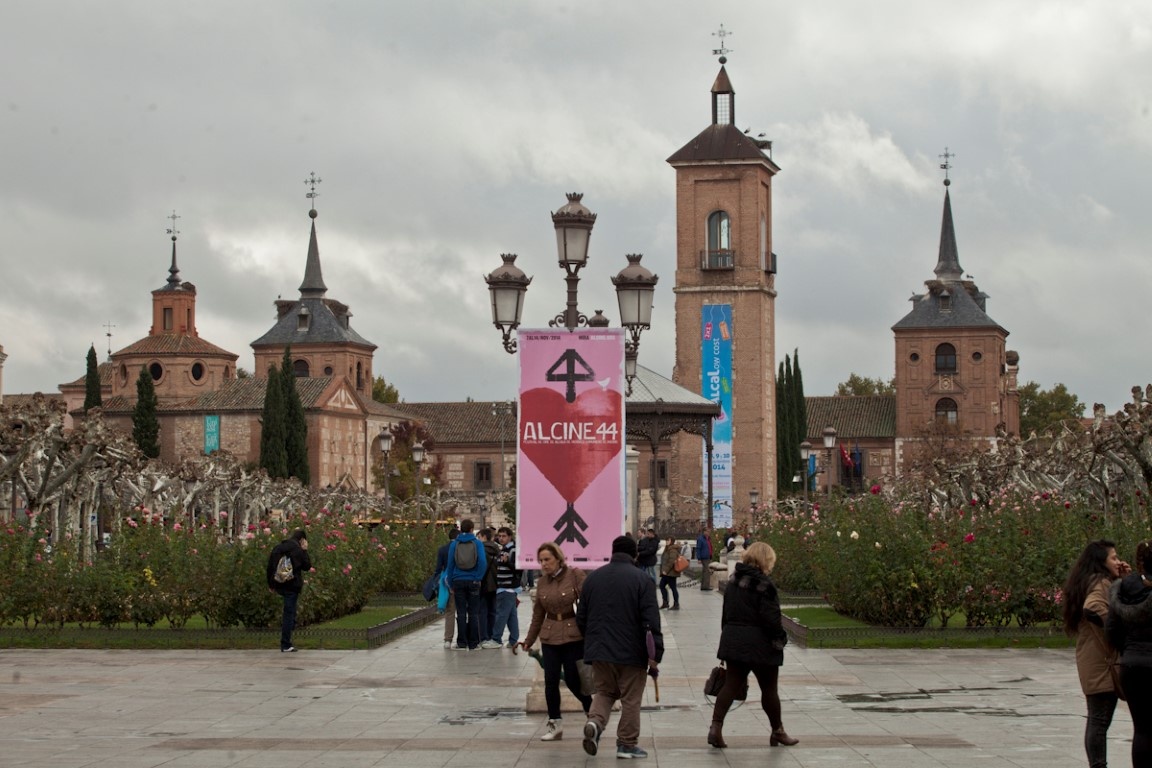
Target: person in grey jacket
[
  {"x": 752, "y": 640},
  {"x": 617, "y": 611},
  {"x": 1129, "y": 630}
]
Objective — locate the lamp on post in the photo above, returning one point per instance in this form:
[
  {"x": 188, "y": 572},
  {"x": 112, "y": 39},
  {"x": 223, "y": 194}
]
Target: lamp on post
[
  {"x": 753, "y": 502},
  {"x": 805, "y": 455},
  {"x": 503, "y": 410},
  {"x": 385, "y": 448},
  {"x": 635, "y": 285},
  {"x": 829, "y": 444}
]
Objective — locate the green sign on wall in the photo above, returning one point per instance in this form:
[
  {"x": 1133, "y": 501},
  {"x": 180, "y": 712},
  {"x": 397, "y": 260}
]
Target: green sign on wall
[{"x": 211, "y": 434}]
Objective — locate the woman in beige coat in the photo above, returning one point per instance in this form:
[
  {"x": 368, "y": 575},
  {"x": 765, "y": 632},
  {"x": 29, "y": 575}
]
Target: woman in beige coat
[
  {"x": 1085, "y": 610},
  {"x": 554, "y": 623}
]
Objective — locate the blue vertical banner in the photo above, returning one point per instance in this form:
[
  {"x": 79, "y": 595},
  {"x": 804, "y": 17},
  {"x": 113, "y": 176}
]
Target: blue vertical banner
[
  {"x": 211, "y": 434},
  {"x": 716, "y": 385}
]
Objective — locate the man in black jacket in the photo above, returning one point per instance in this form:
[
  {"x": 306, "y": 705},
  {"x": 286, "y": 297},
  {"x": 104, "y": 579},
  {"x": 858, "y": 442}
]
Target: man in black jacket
[
  {"x": 617, "y": 610},
  {"x": 296, "y": 550}
]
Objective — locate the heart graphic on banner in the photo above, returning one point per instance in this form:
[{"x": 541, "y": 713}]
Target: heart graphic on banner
[{"x": 570, "y": 466}]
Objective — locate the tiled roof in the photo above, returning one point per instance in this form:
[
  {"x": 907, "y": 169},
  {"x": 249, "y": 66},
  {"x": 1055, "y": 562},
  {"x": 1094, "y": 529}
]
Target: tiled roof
[
  {"x": 103, "y": 370},
  {"x": 964, "y": 312},
  {"x": 853, "y": 416},
  {"x": 175, "y": 344},
  {"x": 236, "y": 395},
  {"x": 471, "y": 422},
  {"x": 720, "y": 142},
  {"x": 324, "y": 327}
]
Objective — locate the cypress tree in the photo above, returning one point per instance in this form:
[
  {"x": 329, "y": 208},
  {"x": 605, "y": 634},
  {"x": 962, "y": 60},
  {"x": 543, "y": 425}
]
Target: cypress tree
[
  {"x": 800, "y": 407},
  {"x": 273, "y": 456},
  {"x": 296, "y": 426},
  {"x": 92, "y": 398},
  {"x": 145, "y": 424},
  {"x": 792, "y": 447},
  {"x": 781, "y": 428}
]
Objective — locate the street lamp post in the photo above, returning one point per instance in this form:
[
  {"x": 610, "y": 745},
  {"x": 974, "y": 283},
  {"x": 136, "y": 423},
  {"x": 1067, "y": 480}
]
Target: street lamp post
[
  {"x": 385, "y": 448},
  {"x": 635, "y": 285},
  {"x": 503, "y": 410},
  {"x": 805, "y": 455},
  {"x": 419, "y": 452},
  {"x": 829, "y": 444},
  {"x": 753, "y": 502}
]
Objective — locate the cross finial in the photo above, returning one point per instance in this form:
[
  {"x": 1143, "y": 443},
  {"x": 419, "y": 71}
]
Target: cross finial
[
  {"x": 947, "y": 166},
  {"x": 312, "y": 181},
  {"x": 172, "y": 230},
  {"x": 108, "y": 326},
  {"x": 722, "y": 51}
]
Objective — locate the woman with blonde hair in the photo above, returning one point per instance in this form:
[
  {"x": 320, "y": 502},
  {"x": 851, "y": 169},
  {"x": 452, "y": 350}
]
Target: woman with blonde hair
[
  {"x": 554, "y": 623},
  {"x": 752, "y": 640}
]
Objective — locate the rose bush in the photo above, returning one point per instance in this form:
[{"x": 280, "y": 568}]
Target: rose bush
[
  {"x": 175, "y": 566},
  {"x": 897, "y": 560}
]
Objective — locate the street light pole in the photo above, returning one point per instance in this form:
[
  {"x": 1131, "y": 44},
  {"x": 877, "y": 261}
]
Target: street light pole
[
  {"x": 805, "y": 454},
  {"x": 829, "y": 443},
  {"x": 385, "y": 448},
  {"x": 753, "y": 502},
  {"x": 503, "y": 410}
]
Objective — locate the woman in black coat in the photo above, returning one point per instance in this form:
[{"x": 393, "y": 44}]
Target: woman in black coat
[
  {"x": 751, "y": 640},
  {"x": 1129, "y": 630}
]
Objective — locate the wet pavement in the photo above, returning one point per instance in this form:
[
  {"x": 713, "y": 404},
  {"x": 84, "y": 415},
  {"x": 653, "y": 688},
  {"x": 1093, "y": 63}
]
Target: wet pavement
[{"x": 413, "y": 703}]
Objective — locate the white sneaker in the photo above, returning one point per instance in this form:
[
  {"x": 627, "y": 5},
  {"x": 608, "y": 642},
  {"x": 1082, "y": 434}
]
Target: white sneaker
[
  {"x": 447, "y": 643},
  {"x": 490, "y": 645},
  {"x": 555, "y": 731}
]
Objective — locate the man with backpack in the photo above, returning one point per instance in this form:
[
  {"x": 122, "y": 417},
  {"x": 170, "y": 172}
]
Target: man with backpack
[
  {"x": 286, "y": 567},
  {"x": 467, "y": 564}
]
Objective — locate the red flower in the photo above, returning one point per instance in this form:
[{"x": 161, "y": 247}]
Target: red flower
[
  {"x": 1067, "y": 505},
  {"x": 970, "y": 538},
  {"x": 972, "y": 502},
  {"x": 875, "y": 489}
]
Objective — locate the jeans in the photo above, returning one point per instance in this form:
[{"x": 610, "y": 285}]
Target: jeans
[
  {"x": 469, "y": 604},
  {"x": 669, "y": 581},
  {"x": 651, "y": 571},
  {"x": 736, "y": 678},
  {"x": 288, "y": 620},
  {"x": 487, "y": 615},
  {"x": 557, "y": 658},
  {"x": 1137, "y": 685},
  {"x": 506, "y": 617},
  {"x": 1101, "y": 707}
]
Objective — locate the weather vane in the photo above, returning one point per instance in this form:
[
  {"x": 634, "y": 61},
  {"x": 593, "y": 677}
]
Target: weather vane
[
  {"x": 312, "y": 181},
  {"x": 946, "y": 166},
  {"x": 108, "y": 326},
  {"x": 722, "y": 51},
  {"x": 173, "y": 231}
]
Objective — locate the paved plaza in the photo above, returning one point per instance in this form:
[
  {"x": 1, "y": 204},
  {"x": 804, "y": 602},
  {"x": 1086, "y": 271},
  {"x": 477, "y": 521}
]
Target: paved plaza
[{"x": 413, "y": 703}]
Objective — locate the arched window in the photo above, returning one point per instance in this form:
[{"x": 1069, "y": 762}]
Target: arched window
[
  {"x": 300, "y": 369},
  {"x": 945, "y": 359},
  {"x": 946, "y": 411},
  {"x": 719, "y": 255}
]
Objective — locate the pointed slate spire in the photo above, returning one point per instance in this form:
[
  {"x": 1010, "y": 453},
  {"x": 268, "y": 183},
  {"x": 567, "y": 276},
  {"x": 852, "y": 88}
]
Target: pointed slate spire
[
  {"x": 723, "y": 99},
  {"x": 313, "y": 286},
  {"x": 173, "y": 271},
  {"x": 948, "y": 266}
]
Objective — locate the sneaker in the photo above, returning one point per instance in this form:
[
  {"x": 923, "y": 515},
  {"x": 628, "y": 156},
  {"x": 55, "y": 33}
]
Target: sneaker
[
  {"x": 630, "y": 753},
  {"x": 555, "y": 731},
  {"x": 289, "y": 649},
  {"x": 591, "y": 737},
  {"x": 461, "y": 648},
  {"x": 447, "y": 643},
  {"x": 489, "y": 645}
]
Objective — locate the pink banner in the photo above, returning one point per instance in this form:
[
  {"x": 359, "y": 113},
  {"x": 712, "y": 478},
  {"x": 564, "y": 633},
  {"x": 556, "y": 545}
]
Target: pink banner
[{"x": 570, "y": 468}]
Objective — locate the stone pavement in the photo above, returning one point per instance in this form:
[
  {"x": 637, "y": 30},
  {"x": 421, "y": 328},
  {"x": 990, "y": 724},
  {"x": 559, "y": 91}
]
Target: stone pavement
[{"x": 413, "y": 703}]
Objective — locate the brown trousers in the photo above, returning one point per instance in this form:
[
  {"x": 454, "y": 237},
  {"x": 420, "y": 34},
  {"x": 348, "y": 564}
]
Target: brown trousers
[
  {"x": 450, "y": 619},
  {"x": 626, "y": 684}
]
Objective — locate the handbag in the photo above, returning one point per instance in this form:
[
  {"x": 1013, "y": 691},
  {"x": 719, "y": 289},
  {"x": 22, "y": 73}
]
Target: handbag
[
  {"x": 680, "y": 565},
  {"x": 715, "y": 682},
  {"x": 431, "y": 589}
]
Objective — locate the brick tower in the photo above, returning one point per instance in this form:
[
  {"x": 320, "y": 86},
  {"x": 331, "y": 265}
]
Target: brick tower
[
  {"x": 952, "y": 369},
  {"x": 725, "y": 308}
]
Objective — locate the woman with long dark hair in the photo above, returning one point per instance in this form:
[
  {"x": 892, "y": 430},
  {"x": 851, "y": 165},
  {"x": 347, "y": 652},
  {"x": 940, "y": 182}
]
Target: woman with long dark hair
[
  {"x": 1085, "y": 613},
  {"x": 752, "y": 640},
  {"x": 554, "y": 623},
  {"x": 1129, "y": 629}
]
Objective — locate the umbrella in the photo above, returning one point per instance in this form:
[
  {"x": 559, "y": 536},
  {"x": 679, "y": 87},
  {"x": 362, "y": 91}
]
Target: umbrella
[{"x": 653, "y": 670}]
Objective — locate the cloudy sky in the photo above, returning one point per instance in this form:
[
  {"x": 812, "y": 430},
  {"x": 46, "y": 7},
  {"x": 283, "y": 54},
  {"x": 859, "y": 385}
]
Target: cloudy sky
[{"x": 446, "y": 132}]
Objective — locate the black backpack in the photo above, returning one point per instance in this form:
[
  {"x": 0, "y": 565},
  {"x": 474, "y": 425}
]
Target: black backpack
[{"x": 466, "y": 557}]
